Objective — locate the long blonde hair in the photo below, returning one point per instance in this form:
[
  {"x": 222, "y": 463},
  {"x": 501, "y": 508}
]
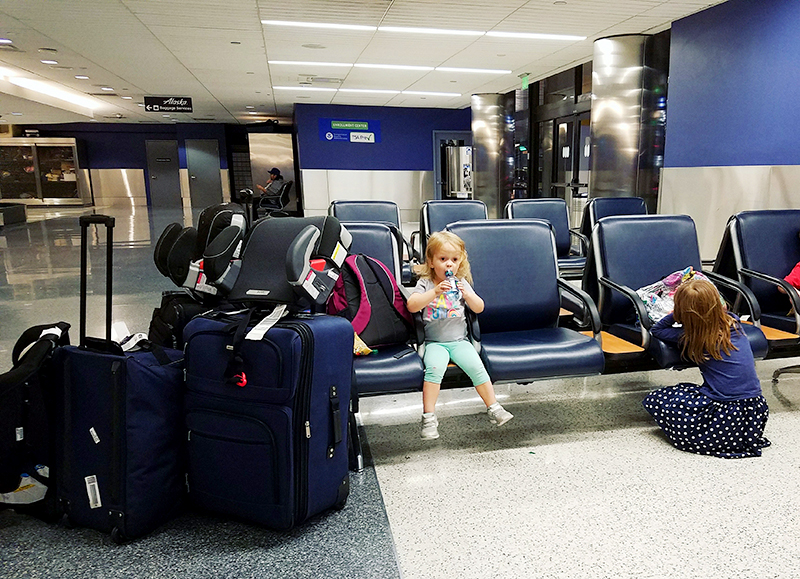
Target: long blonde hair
[
  {"x": 436, "y": 242},
  {"x": 706, "y": 324}
]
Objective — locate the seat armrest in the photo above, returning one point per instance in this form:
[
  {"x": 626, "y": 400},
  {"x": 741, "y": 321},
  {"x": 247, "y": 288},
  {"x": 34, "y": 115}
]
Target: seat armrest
[
  {"x": 745, "y": 292},
  {"x": 638, "y": 304},
  {"x": 416, "y": 253},
  {"x": 419, "y": 328},
  {"x": 582, "y": 241},
  {"x": 588, "y": 302},
  {"x": 790, "y": 290},
  {"x": 473, "y": 328}
]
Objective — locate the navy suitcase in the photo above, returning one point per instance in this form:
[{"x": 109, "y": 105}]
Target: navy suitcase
[
  {"x": 121, "y": 442},
  {"x": 267, "y": 418}
]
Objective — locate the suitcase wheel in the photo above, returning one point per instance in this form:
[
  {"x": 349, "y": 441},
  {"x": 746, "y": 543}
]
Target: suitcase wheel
[
  {"x": 117, "y": 536},
  {"x": 65, "y": 522}
]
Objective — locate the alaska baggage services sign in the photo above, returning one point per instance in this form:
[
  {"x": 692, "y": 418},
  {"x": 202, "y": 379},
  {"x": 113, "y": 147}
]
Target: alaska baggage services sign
[
  {"x": 349, "y": 131},
  {"x": 168, "y": 104}
]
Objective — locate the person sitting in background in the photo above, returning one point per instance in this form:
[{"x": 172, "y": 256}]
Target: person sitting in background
[{"x": 273, "y": 186}]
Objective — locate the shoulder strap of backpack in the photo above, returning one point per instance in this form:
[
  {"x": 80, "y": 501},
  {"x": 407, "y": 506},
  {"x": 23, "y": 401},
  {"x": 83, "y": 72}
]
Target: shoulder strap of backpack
[
  {"x": 390, "y": 287},
  {"x": 364, "y": 313}
]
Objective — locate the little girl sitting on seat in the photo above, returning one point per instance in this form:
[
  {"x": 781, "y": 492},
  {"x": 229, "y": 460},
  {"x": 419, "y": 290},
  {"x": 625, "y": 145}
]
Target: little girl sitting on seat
[
  {"x": 726, "y": 415},
  {"x": 445, "y": 325}
]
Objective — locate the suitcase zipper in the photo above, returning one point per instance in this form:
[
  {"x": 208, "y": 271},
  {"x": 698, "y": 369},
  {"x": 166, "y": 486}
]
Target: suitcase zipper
[{"x": 302, "y": 422}]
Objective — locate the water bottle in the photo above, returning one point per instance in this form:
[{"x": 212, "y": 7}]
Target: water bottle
[{"x": 454, "y": 292}]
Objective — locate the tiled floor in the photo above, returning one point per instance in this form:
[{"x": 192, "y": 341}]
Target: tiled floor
[{"x": 579, "y": 485}]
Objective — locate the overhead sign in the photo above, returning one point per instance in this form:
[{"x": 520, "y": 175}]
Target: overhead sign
[
  {"x": 168, "y": 104},
  {"x": 349, "y": 131}
]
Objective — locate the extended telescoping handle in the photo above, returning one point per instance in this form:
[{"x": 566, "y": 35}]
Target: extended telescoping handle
[{"x": 85, "y": 222}]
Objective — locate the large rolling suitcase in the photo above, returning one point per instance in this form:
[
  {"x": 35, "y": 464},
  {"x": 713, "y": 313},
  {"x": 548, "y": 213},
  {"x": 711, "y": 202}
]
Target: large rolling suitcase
[
  {"x": 121, "y": 449},
  {"x": 28, "y": 403},
  {"x": 267, "y": 416}
]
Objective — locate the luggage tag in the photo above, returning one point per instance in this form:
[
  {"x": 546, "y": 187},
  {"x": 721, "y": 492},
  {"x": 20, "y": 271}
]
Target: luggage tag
[{"x": 260, "y": 329}]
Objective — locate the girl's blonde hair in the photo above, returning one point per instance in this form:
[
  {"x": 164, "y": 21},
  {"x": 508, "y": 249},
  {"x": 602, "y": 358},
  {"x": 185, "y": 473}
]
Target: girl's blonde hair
[
  {"x": 436, "y": 243},
  {"x": 706, "y": 325}
]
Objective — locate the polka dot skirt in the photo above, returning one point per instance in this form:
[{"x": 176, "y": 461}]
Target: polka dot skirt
[{"x": 696, "y": 423}]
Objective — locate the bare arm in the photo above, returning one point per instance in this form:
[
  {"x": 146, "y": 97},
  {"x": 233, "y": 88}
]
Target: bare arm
[{"x": 473, "y": 300}]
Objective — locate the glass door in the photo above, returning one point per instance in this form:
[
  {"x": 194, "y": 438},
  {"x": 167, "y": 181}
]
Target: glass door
[{"x": 571, "y": 156}]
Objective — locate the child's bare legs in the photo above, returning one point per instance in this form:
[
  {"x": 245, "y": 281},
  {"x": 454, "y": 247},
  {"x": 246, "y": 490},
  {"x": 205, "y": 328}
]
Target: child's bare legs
[
  {"x": 486, "y": 392},
  {"x": 430, "y": 394}
]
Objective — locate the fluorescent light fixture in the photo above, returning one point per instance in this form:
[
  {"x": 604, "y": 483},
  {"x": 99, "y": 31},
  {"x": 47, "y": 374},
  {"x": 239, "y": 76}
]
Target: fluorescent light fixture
[
  {"x": 478, "y": 70},
  {"x": 369, "y": 90},
  {"x": 430, "y": 31},
  {"x": 533, "y": 35},
  {"x": 81, "y": 77},
  {"x": 46, "y": 89},
  {"x": 319, "y": 25},
  {"x": 305, "y": 63},
  {"x": 393, "y": 66},
  {"x": 107, "y": 89},
  {"x": 313, "y": 88},
  {"x": 49, "y": 61},
  {"x": 128, "y": 98},
  {"x": 6, "y": 41},
  {"x": 425, "y": 93}
]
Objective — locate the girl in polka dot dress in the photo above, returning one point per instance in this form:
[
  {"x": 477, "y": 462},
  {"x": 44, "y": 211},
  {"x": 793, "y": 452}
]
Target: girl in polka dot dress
[{"x": 726, "y": 415}]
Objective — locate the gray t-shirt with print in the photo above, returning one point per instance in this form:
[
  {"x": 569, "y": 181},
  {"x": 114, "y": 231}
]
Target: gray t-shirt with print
[{"x": 443, "y": 318}]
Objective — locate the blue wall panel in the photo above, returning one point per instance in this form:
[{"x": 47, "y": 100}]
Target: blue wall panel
[
  {"x": 406, "y": 137},
  {"x": 733, "y": 85},
  {"x": 122, "y": 146}
]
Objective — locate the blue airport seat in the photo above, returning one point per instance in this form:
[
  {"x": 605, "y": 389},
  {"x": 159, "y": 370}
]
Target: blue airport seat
[
  {"x": 517, "y": 334},
  {"x": 554, "y": 210},
  {"x": 759, "y": 248},
  {"x": 629, "y": 252}
]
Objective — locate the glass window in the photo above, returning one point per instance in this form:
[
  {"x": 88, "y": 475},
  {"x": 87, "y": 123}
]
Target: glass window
[{"x": 559, "y": 87}]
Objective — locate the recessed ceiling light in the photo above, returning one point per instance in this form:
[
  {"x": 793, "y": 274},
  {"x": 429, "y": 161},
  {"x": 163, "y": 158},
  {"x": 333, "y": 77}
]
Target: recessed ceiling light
[
  {"x": 393, "y": 66},
  {"x": 165, "y": 116},
  {"x": 253, "y": 113},
  {"x": 128, "y": 98},
  {"x": 17, "y": 114},
  {"x": 368, "y": 90},
  {"x": 319, "y": 25},
  {"x": 81, "y": 77},
  {"x": 249, "y": 107},
  {"x": 317, "y": 88},
  {"x": 431, "y": 31},
  {"x": 107, "y": 88},
  {"x": 6, "y": 41},
  {"x": 140, "y": 104},
  {"x": 48, "y": 61},
  {"x": 533, "y": 35}
]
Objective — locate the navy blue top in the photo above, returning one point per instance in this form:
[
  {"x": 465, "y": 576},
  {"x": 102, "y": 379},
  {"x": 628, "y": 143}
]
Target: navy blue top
[{"x": 732, "y": 378}]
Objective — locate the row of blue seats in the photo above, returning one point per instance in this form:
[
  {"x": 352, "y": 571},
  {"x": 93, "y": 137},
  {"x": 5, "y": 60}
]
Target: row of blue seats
[
  {"x": 571, "y": 243},
  {"x": 523, "y": 335}
]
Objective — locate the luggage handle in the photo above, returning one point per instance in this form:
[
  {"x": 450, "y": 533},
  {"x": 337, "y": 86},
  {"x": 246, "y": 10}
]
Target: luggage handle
[
  {"x": 336, "y": 418},
  {"x": 85, "y": 221}
]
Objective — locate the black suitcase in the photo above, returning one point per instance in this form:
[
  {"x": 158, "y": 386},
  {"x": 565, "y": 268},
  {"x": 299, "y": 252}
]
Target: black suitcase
[
  {"x": 267, "y": 418},
  {"x": 28, "y": 401},
  {"x": 121, "y": 451},
  {"x": 169, "y": 319}
]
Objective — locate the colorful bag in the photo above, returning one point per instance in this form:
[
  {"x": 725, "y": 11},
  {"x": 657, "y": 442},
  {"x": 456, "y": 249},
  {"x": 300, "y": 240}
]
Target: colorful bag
[{"x": 657, "y": 297}]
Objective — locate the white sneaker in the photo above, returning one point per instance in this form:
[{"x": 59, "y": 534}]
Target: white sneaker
[
  {"x": 498, "y": 414},
  {"x": 430, "y": 426}
]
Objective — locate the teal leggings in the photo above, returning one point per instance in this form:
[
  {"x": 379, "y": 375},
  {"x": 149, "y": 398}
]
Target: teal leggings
[{"x": 462, "y": 353}]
